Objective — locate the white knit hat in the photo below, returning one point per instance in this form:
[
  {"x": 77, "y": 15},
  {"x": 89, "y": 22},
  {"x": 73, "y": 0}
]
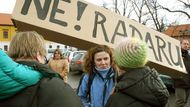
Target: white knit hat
[{"x": 131, "y": 53}]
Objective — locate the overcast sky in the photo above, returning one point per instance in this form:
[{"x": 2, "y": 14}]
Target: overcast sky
[{"x": 6, "y": 6}]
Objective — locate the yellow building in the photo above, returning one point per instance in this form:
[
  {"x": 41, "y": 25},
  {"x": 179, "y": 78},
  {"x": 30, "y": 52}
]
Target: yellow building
[{"x": 7, "y": 31}]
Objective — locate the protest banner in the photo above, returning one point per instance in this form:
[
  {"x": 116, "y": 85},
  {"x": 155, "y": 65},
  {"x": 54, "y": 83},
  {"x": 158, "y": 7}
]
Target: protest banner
[{"x": 81, "y": 24}]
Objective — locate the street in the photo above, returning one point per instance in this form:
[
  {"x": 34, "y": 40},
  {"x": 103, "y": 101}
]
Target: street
[{"x": 74, "y": 77}]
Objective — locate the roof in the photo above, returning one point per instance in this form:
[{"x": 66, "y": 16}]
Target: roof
[
  {"x": 5, "y": 19},
  {"x": 178, "y": 30}
]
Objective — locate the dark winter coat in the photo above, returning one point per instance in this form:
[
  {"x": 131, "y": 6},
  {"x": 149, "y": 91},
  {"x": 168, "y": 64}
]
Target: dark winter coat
[
  {"x": 183, "y": 81},
  {"x": 51, "y": 91},
  {"x": 139, "y": 87}
]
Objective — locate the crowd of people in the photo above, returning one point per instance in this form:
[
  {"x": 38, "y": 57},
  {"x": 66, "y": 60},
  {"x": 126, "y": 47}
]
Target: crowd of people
[{"x": 116, "y": 77}]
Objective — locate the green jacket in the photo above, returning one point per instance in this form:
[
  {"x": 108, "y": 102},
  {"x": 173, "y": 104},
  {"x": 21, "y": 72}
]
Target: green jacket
[
  {"x": 15, "y": 77},
  {"x": 139, "y": 87}
]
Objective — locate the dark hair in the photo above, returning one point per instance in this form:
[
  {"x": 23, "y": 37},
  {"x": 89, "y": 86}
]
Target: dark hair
[{"x": 59, "y": 52}]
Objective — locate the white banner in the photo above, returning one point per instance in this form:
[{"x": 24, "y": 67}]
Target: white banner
[{"x": 83, "y": 25}]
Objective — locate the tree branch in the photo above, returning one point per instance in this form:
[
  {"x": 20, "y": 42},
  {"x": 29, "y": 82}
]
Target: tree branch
[
  {"x": 185, "y": 4},
  {"x": 179, "y": 11}
]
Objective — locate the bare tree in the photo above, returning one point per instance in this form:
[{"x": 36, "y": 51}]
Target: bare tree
[
  {"x": 147, "y": 10},
  {"x": 153, "y": 7},
  {"x": 143, "y": 11},
  {"x": 138, "y": 8},
  {"x": 123, "y": 7},
  {"x": 132, "y": 7},
  {"x": 125, "y": 4},
  {"x": 186, "y": 5}
]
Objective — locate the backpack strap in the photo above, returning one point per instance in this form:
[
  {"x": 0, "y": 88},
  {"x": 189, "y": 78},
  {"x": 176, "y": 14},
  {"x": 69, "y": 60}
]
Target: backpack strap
[
  {"x": 90, "y": 80},
  {"x": 80, "y": 81},
  {"x": 111, "y": 75}
]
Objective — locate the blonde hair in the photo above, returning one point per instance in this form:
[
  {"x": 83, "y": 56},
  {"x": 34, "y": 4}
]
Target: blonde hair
[{"x": 26, "y": 45}]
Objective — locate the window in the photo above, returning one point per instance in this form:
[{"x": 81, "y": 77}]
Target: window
[
  {"x": 5, "y": 34},
  {"x": 50, "y": 46},
  {"x": 58, "y": 46},
  {"x": 5, "y": 48}
]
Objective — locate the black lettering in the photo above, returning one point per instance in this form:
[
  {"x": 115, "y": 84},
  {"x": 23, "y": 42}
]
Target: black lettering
[
  {"x": 53, "y": 13},
  {"x": 148, "y": 39},
  {"x": 81, "y": 7},
  {"x": 116, "y": 30},
  {"x": 25, "y": 7},
  {"x": 179, "y": 61},
  {"x": 134, "y": 29},
  {"x": 41, "y": 11},
  {"x": 69, "y": 1},
  {"x": 161, "y": 49},
  {"x": 101, "y": 22}
]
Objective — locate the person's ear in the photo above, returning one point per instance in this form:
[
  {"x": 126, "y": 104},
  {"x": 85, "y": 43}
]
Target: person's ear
[{"x": 40, "y": 58}]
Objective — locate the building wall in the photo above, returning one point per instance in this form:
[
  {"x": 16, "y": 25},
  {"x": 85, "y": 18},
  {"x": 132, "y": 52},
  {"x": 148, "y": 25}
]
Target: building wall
[
  {"x": 53, "y": 45},
  {"x": 182, "y": 37},
  {"x": 4, "y": 42},
  {"x": 4, "y": 45},
  {"x": 179, "y": 32},
  {"x": 11, "y": 32},
  {"x": 10, "y": 28}
]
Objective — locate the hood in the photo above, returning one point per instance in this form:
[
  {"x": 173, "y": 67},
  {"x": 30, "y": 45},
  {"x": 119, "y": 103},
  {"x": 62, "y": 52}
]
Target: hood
[
  {"x": 131, "y": 78},
  {"x": 143, "y": 85}
]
